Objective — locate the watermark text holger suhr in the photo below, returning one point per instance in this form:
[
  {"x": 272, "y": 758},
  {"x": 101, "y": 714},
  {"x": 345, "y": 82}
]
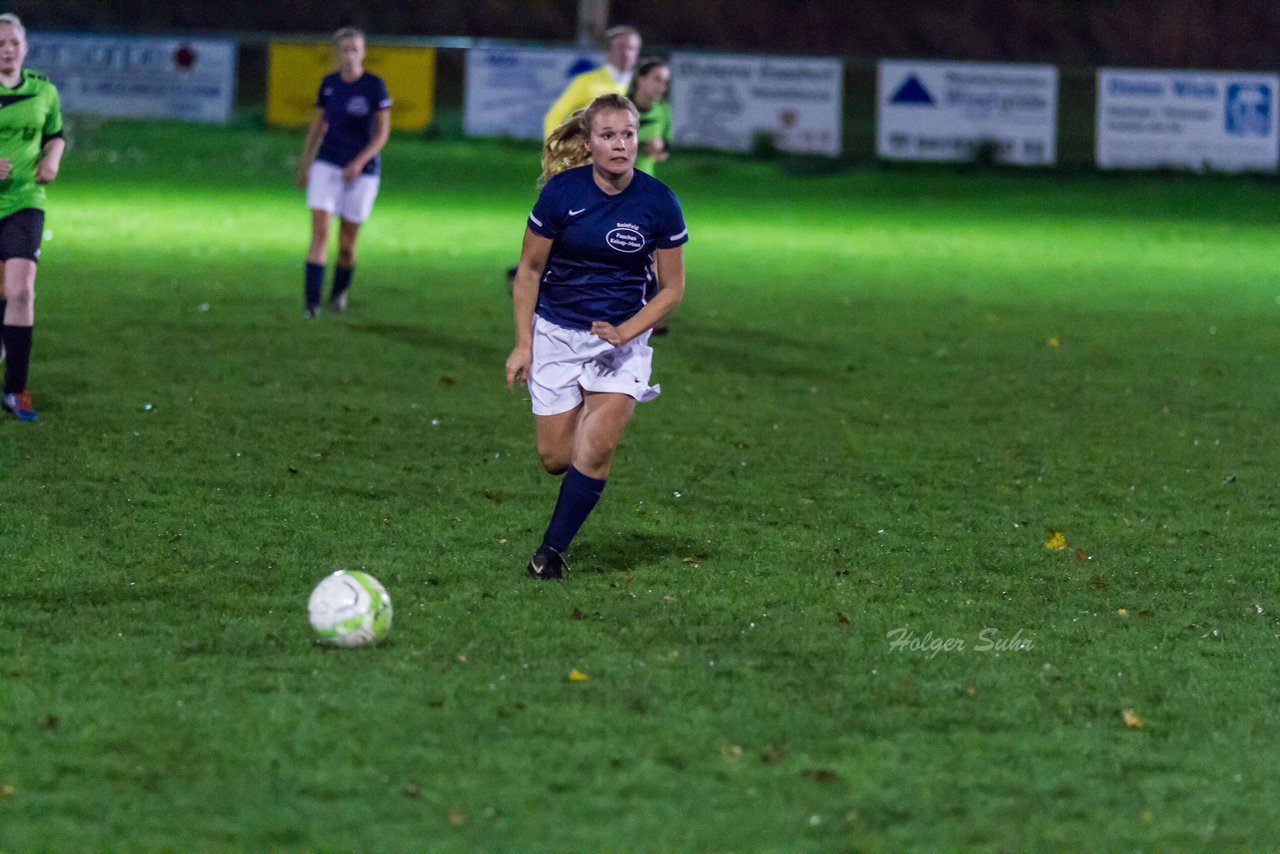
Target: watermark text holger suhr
[{"x": 989, "y": 639}]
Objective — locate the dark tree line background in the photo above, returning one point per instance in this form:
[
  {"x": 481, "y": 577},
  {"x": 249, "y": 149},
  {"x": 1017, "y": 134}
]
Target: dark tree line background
[{"x": 1207, "y": 34}]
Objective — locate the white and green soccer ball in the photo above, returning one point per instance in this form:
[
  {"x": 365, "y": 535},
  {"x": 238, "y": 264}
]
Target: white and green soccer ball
[{"x": 350, "y": 608}]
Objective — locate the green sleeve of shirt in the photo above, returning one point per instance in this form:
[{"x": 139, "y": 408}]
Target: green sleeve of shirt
[{"x": 53, "y": 121}]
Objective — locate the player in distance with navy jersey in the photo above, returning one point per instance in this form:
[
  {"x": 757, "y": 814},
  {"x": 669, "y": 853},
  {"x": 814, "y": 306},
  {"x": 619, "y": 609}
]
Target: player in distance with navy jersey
[
  {"x": 31, "y": 146},
  {"x": 582, "y": 322},
  {"x": 340, "y": 166}
]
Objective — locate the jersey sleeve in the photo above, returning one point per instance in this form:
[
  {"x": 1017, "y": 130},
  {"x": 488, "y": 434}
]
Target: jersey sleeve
[
  {"x": 320, "y": 94},
  {"x": 674, "y": 232},
  {"x": 53, "y": 119},
  {"x": 384, "y": 97},
  {"x": 547, "y": 217}
]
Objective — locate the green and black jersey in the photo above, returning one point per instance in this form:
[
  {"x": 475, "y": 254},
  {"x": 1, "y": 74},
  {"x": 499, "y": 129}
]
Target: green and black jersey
[{"x": 30, "y": 115}]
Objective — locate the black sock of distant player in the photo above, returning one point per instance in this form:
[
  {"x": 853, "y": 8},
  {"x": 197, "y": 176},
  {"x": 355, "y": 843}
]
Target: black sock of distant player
[
  {"x": 3, "y": 303},
  {"x": 315, "y": 284},
  {"x": 17, "y": 348},
  {"x": 341, "y": 280},
  {"x": 578, "y": 497}
]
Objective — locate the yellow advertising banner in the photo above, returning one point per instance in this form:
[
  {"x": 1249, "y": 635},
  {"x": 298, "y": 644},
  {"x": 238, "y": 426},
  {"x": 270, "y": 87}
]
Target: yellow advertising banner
[{"x": 295, "y": 69}]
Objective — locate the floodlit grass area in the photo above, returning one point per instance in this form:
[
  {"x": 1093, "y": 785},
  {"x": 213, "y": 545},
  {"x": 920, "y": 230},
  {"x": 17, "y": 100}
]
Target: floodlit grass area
[{"x": 885, "y": 394}]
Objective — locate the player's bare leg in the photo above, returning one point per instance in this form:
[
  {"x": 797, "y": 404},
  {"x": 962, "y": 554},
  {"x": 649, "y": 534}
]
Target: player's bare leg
[
  {"x": 347, "y": 233},
  {"x": 317, "y": 253}
]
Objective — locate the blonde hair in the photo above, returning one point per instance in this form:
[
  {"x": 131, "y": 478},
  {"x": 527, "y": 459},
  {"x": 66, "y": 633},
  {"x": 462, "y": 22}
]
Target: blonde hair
[
  {"x": 10, "y": 18},
  {"x": 620, "y": 30},
  {"x": 568, "y": 145},
  {"x": 348, "y": 33}
]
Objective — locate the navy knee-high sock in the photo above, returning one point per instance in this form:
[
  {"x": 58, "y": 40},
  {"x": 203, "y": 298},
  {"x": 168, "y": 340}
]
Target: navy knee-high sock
[
  {"x": 578, "y": 497},
  {"x": 17, "y": 349},
  {"x": 314, "y": 283},
  {"x": 341, "y": 280}
]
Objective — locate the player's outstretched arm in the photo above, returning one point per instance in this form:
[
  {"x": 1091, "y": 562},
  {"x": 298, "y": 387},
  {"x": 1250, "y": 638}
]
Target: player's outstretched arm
[
  {"x": 524, "y": 298},
  {"x": 315, "y": 133},
  {"x": 670, "y": 292},
  {"x": 381, "y": 133}
]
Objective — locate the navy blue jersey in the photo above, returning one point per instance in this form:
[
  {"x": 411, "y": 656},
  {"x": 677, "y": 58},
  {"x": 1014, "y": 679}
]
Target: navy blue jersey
[
  {"x": 602, "y": 250},
  {"x": 351, "y": 110}
]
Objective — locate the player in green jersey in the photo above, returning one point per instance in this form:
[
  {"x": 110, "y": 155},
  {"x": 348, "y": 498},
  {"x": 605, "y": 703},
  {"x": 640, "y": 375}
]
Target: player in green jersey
[
  {"x": 646, "y": 92},
  {"x": 31, "y": 146}
]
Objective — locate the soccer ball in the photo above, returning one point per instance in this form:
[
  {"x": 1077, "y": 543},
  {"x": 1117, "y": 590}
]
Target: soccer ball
[{"x": 350, "y": 608}]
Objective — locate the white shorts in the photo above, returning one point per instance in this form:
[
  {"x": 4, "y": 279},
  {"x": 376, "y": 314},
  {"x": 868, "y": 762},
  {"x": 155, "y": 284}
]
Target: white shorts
[
  {"x": 568, "y": 362},
  {"x": 351, "y": 200}
]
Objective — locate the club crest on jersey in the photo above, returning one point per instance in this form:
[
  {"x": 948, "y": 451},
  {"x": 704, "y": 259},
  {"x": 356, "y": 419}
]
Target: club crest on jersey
[
  {"x": 625, "y": 238},
  {"x": 358, "y": 105}
]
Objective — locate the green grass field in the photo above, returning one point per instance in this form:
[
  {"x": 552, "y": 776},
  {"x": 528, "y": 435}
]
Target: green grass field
[{"x": 884, "y": 394}]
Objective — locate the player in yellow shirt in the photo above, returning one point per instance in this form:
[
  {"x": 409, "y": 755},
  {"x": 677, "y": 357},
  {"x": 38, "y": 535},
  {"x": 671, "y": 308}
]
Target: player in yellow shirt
[{"x": 612, "y": 78}]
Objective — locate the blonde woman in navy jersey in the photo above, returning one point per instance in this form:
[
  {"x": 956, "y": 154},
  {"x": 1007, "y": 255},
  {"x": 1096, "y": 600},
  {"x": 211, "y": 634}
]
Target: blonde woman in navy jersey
[
  {"x": 340, "y": 166},
  {"x": 582, "y": 321}
]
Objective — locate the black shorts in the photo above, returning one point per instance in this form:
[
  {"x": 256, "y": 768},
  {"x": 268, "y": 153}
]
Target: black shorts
[{"x": 20, "y": 234}]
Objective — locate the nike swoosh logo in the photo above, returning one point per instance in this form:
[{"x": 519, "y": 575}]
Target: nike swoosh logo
[
  {"x": 578, "y": 211},
  {"x": 6, "y": 100}
]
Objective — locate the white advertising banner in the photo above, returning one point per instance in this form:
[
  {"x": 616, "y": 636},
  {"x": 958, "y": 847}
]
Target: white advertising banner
[
  {"x": 1222, "y": 121},
  {"x": 950, "y": 111},
  {"x": 509, "y": 90},
  {"x": 141, "y": 77},
  {"x": 725, "y": 101}
]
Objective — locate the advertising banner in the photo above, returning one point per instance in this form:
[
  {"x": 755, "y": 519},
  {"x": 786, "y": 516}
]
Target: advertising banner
[
  {"x": 954, "y": 111},
  {"x": 138, "y": 77},
  {"x": 727, "y": 102},
  {"x": 509, "y": 90},
  {"x": 295, "y": 69},
  {"x": 1220, "y": 121}
]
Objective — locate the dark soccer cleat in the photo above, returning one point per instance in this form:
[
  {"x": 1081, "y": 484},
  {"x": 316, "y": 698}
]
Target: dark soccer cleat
[
  {"x": 547, "y": 563},
  {"x": 19, "y": 406}
]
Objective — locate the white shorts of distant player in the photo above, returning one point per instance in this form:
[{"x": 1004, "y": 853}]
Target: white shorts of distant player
[
  {"x": 568, "y": 362},
  {"x": 351, "y": 200}
]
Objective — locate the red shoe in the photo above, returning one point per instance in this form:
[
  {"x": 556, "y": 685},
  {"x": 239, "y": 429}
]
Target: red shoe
[{"x": 19, "y": 406}]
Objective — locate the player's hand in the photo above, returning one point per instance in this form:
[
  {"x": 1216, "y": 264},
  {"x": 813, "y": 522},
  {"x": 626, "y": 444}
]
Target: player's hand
[
  {"x": 352, "y": 171},
  {"x": 518, "y": 366},
  {"x": 45, "y": 171},
  {"x": 654, "y": 147},
  {"x": 5, "y": 165},
  {"x": 607, "y": 332},
  {"x": 301, "y": 177}
]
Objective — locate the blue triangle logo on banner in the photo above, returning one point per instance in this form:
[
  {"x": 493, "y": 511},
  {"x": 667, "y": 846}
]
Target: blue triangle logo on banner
[{"x": 912, "y": 91}]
